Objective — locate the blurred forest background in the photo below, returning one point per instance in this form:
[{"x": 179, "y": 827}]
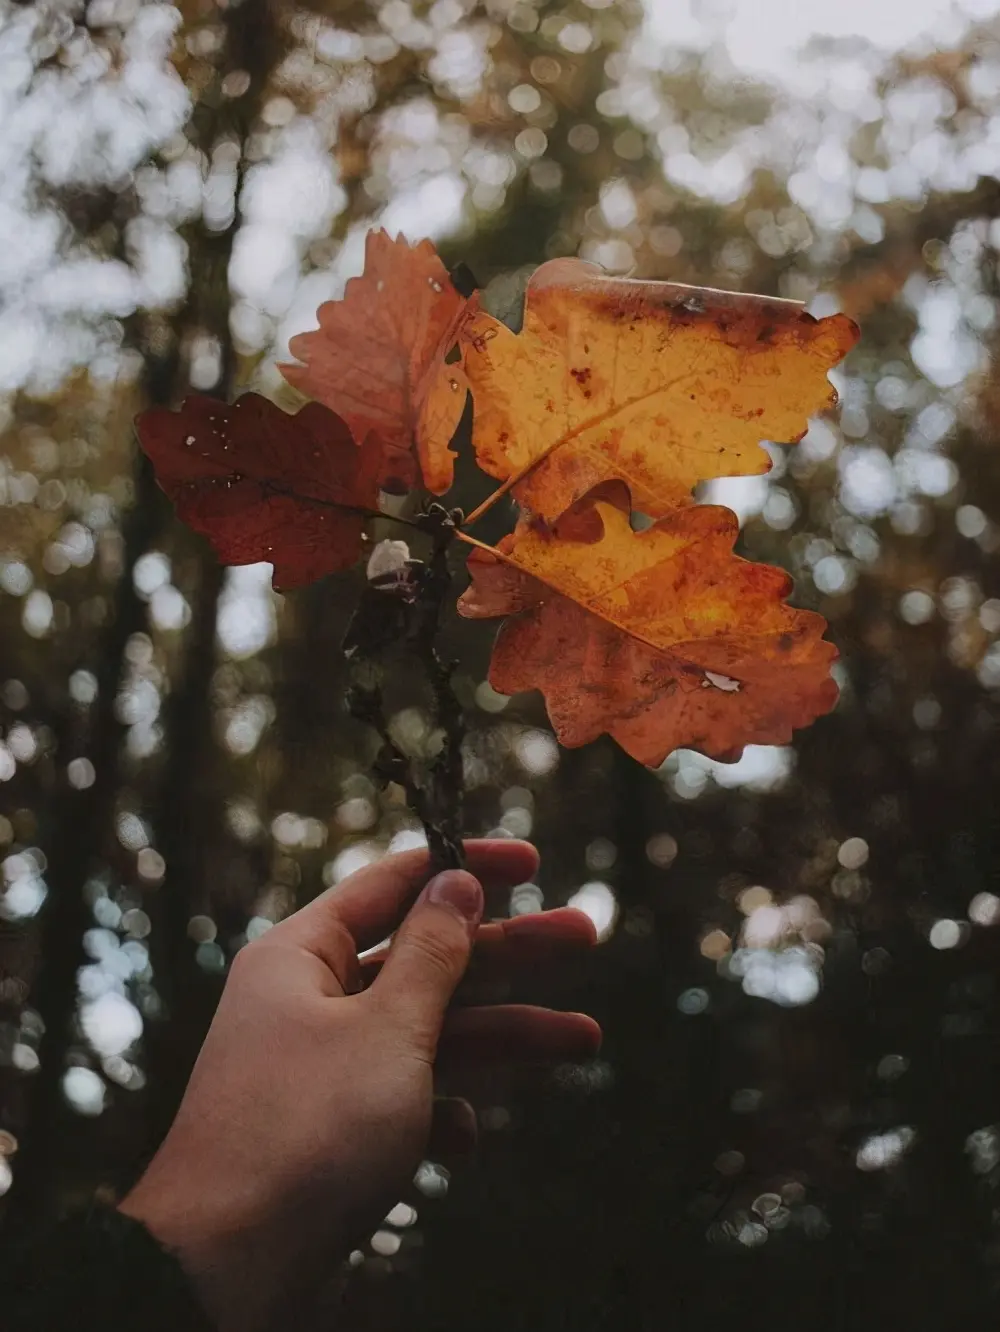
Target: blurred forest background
[{"x": 795, "y": 1119}]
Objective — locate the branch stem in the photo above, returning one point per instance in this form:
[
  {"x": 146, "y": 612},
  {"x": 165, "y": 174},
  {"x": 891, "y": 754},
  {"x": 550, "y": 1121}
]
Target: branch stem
[{"x": 434, "y": 785}]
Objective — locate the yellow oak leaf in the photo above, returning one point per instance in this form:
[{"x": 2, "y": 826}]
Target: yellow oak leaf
[
  {"x": 657, "y": 385},
  {"x": 663, "y": 639}
]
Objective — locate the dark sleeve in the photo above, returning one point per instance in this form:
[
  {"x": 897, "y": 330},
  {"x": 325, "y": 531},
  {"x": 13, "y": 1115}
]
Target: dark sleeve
[{"x": 96, "y": 1269}]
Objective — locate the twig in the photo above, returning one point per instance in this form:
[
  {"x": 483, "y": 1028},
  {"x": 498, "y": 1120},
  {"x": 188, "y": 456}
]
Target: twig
[
  {"x": 413, "y": 614},
  {"x": 446, "y": 769}
]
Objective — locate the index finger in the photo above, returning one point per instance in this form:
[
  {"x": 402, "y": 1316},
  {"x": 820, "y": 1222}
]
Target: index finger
[{"x": 369, "y": 903}]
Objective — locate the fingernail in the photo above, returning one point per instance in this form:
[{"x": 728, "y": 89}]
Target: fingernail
[{"x": 458, "y": 891}]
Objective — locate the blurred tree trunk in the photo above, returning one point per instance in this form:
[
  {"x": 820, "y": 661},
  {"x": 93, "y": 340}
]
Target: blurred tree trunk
[{"x": 191, "y": 830}]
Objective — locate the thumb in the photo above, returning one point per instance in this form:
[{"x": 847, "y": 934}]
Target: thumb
[{"x": 429, "y": 955}]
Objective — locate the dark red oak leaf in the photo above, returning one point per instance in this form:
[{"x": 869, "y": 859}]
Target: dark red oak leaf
[{"x": 263, "y": 485}]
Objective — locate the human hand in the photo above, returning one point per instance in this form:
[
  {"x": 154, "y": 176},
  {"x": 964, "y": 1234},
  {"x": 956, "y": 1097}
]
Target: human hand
[{"x": 311, "y": 1103}]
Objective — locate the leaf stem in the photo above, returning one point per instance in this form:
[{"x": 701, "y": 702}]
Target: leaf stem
[
  {"x": 580, "y": 429},
  {"x": 481, "y": 509},
  {"x": 515, "y": 480},
  {"x": 504, "y": 558},
  {"x": 361, "y": 509},
  {"x": 461, "y": 535}
]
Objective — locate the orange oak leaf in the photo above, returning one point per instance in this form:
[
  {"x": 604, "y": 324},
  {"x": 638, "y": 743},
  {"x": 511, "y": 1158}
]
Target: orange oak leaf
[
  {"x": 376, "y": 356},
  {"x": 263, "y": 485},
  {"x": 656, "y": 385},
  {"x": 663, "y": 639}
]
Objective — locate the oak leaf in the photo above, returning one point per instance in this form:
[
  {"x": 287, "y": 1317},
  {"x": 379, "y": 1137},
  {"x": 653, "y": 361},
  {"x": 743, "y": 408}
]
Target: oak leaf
[
  {"x": 657, "y": 385},
  {"x": 377, "y": 359},
  {"x": 263, "y": 485},
  {"x": 664, "y": 639}
]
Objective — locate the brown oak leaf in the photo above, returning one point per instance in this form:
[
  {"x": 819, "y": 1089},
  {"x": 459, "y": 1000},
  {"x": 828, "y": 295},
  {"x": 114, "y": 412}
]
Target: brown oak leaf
[
  {"x": 657, "y": 385},
  {"x": 377, "y": 359},
  {"x": 263, "y": 485},
  {"x": 664, "y": 639}
]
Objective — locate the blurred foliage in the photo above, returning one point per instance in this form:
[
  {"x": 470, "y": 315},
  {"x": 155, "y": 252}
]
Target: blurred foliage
[{"x": 795, "y": 1113}]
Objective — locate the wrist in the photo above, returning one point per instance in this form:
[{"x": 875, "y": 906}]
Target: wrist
[{"x": 212, "y": 1239}]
